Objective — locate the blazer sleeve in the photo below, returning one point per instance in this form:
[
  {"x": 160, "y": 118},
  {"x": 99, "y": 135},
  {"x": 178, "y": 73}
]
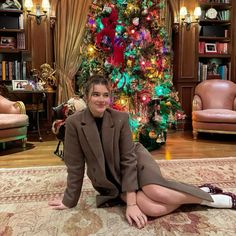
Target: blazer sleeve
[
  {"x": 128, "y": 158},
  {"x": 74, "y": 160}
]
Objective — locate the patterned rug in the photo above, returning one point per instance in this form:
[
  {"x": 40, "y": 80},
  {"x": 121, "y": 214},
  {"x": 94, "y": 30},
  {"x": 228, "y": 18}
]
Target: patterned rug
[{"x": 24, "y": 211}]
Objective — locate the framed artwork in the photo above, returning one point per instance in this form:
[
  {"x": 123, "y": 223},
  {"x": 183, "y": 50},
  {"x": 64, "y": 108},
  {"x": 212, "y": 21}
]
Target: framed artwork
[
  {"x": 19, "y": 84},
  {"x": 7, "y": 42},
  {"x": 210, "y": 48}
]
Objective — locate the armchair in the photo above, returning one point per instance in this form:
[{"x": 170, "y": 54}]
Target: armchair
[
  {"x": 13, "y": 121},
  {"x": 214, "y": 107}
]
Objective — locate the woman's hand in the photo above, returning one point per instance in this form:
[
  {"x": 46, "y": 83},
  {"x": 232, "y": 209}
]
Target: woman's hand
[
  {"x": 57, "y": 204},
  {"x": 133, "y": 213}
]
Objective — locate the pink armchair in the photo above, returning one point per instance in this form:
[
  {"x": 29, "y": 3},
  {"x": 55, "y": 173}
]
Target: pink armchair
[
  {"x": 13, "y": 121},
  {"x": 214, "y": 107}
]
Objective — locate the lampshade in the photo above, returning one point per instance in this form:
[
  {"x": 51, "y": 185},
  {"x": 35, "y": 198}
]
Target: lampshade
[
  {"x": 197, "y": 12},
  {"x": 28, "y": 4},
  {"x": 183, "y": 12},
  {"x": 46, "y": 5}
]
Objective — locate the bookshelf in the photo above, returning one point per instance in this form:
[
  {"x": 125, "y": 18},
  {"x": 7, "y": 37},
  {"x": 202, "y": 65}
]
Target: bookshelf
[
  {"x": 215, "y": 40},
  {"x": 13, "y": 45}
]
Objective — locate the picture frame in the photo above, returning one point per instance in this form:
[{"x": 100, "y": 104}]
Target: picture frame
[
  {"x": 7, "y": 42},
  {"x": 19, "y": 84},
  {"x": 210, "y": 48}
]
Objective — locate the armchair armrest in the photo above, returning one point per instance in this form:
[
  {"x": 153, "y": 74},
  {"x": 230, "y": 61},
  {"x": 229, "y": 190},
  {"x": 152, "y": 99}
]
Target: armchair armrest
[
  {"x": 11, "y": 107},
  {"x": 197, "y": 103},
  {"x": 234, "y": 105},
  {"x": 21, "y": 106}
]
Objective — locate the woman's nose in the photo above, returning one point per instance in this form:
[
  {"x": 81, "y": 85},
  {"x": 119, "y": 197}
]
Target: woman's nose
[{"x": 101, "y": 98}]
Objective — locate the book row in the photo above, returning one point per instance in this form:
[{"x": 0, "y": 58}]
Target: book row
[
  {"x": 213, "y": 70},
  {"x": 13, "y": 70}
]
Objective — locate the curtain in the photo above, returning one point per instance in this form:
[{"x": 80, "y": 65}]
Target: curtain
[{"x": 71, "y": 18}]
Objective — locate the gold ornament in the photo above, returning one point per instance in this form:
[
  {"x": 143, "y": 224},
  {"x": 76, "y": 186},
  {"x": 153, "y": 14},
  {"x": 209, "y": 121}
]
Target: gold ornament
[
  {"x": 45, "y": 78},
  {"x": 47, "y": 75},
  {"x": 152, "y": 134},
  {"x": 132, "y": 8},
  {"x": 129, "y": 63}
]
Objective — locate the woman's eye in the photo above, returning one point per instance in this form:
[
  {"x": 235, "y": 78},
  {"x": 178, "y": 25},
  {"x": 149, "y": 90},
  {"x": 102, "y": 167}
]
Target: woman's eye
[{"x": 95, "y": 94}]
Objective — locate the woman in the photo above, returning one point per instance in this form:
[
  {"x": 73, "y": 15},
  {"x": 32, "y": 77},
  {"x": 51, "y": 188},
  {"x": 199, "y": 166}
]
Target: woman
[{"x": 119, "y": 168}]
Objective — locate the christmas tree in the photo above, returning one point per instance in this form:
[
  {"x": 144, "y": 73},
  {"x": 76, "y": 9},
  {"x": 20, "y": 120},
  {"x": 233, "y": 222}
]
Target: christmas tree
[{"x": 127, "y": 41}]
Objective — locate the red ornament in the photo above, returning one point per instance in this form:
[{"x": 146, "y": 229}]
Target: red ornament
[
  {"x": 109, "y": 31},
  {"x": 144, "y": 96}
]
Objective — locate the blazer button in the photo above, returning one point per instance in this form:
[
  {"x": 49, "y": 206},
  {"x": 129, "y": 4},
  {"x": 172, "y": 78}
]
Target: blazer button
[{"x": 142, "y": 168}]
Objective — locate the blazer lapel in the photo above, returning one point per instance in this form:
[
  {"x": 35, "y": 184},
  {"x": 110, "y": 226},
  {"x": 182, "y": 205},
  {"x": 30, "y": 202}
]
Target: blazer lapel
[
  {"x": 93, "y": 139},
  {"x": 108, "y": 129}
]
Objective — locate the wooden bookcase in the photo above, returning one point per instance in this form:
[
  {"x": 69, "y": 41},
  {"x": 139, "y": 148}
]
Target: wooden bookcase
[
  {"x": 13, "y": 44},
  {"x": 187, "y": 57},
  {"x": 215, "y": 41}
]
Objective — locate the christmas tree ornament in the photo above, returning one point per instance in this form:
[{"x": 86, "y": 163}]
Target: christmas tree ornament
[
  {"x": 135, "y": 21},
  {"x": 159, "y": 139},
  {"x": 152, "y": 134},
  {"x": 145, "y": 11}
]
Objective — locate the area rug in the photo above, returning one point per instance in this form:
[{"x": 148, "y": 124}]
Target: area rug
[{"x": 24, "y": 211}]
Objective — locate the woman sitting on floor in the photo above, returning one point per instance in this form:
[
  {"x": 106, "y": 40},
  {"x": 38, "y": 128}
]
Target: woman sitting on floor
[{"x": 119, "y": 169}]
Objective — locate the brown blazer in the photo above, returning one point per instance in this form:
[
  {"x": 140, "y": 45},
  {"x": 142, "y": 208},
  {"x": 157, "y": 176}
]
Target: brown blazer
[{"x": 130, "y": 163}]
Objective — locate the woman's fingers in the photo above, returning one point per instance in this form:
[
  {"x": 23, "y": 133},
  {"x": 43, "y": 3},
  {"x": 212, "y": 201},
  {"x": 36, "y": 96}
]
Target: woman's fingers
[
  {"x": 129, "y": 220},
  {"x": 57, "y": 204},
  {"x": 140, "y": 221},
  {"x": 145, "y": 219},
  {"x": 135, "y": 214},
  {"x": 54, "y": 202},
  {"x": 61, "y": 207}
]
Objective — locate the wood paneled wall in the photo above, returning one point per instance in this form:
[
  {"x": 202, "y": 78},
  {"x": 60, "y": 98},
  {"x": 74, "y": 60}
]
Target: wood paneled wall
[
  {"x": 40, "y": 37},
  {"x": 185, "y": 66}
]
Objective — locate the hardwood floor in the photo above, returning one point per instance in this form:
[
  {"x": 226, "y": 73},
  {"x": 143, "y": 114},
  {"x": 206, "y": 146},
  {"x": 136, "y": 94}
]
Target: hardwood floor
[{"x": 179, "y": 145}]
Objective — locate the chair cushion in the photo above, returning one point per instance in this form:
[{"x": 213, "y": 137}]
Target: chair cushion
[
  {"x": 214, "y": 116},
  {"x": 8, "y": 121},
  {"x": 13, "y": 133}
]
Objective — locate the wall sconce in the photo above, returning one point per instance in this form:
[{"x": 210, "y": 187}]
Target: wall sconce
[
  {"x": 38, "y": 14},
  {"x": 185, "y": 18}
]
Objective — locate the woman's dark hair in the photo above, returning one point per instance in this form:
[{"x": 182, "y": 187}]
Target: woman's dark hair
[{"x": 94, "y": 80}]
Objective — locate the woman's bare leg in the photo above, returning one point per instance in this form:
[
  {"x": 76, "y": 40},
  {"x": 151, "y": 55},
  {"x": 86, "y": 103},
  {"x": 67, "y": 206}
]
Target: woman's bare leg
[
  {"x": 155, "y": 200},
  {"x": 169, "y": 196},
  {"x": 153, "y": 208},
  {"x": 150, "y": 207}
]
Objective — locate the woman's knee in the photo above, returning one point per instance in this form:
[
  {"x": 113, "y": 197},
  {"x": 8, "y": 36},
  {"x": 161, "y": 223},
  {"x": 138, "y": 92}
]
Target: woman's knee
[
  {"x": 157, "y": 193},
  {"x": 150, "y": 207}
]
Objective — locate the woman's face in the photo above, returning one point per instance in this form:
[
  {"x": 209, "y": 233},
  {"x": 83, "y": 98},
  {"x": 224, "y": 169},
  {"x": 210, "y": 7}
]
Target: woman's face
[{"x": 98, "y": 99}]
